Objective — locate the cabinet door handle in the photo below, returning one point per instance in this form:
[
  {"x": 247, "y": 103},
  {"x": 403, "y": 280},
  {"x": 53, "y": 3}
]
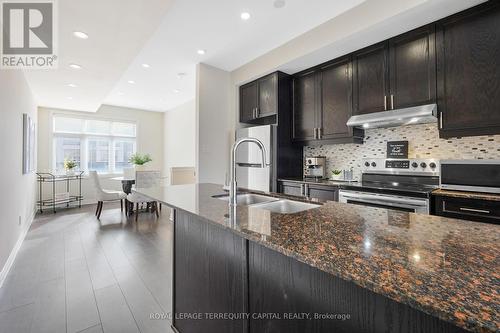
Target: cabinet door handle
[
  {"x": 315, "y": 133},
  {"x": 441, "y": 119},
  {"x": 257, "y": 112},
  {"x": 385, "y": 103},
  {"x": 392, "y": 102},
  {"x": 302, "y": 189},
  {"x": 319, "y": 133},
  {"x": 475, "y": 210},
  {"x": 306, "y": 190}
]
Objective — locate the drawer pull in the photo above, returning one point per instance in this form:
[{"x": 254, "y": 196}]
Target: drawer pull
[{"x": 475, "y": 210}]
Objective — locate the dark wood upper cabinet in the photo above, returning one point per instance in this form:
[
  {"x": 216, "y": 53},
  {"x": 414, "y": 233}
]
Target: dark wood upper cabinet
[
  {"x": 268, "y": 96},
  {"x": 248, "y": 101},
  {"x": 260, "y": 100},
  {"x": 397, "y": 73},
  {"x": 412, "y": 68},
  {"x": 371, "y": 79},
  {"x": 336, "y": 99},
  {"x": 305, "y": 106},
  {"x": 468, "y": 63},
  {"x": 323, "y": 104},
  {"x": 454, "y": 62}
]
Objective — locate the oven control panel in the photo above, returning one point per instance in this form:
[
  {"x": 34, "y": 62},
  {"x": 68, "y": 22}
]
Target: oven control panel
[
  {"x": 411, "y": 166},
  {"x": 397, "y": 164}
]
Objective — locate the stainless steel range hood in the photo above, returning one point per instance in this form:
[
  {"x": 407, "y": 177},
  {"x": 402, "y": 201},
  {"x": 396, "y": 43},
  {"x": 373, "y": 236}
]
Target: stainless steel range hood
[{"x": 409, "y": 116}]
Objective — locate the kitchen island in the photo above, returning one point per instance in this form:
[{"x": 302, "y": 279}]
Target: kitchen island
[{"x": 335, "y": 268}]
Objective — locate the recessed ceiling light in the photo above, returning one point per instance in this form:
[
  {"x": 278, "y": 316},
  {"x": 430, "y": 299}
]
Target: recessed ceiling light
[
  {"x": 75, "y": 66},
  {"x": 177, "y": 91},
  {"x": 146, "y": 65},
  {"x": 72, "y": 85},
  {"x": 245, "y": 16},
  {"x": 131, "y": 81},
  {"x": 200, "y": 51},
  {"x": 80, "y": 34},
  {"x": 279, "y": 3}
]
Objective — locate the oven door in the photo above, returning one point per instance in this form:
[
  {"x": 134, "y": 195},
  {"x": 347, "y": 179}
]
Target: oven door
[{"x": 406, "y": 204}]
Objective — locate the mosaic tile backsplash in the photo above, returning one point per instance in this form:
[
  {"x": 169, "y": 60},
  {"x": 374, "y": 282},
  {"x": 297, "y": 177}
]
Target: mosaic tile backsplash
[{"x": 424, "y": 142}]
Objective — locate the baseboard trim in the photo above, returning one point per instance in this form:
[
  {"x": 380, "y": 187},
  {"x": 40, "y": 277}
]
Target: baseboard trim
[{"x": 10, "y": 261}]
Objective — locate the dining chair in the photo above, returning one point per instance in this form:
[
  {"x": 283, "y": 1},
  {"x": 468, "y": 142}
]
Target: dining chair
[
  {"x": 144, "y": 179},
  {"x": 105, "y": 195}
]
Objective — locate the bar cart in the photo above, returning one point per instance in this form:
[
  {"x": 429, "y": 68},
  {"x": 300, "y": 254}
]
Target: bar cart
[{"x": 57, "y": 199}]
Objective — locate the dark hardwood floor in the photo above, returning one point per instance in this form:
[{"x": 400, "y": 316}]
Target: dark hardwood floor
[{"x": 74, "y": 273}]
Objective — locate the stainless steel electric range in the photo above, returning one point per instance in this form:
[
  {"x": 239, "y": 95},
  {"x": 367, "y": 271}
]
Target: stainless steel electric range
[{"x": 401, "y": 184}]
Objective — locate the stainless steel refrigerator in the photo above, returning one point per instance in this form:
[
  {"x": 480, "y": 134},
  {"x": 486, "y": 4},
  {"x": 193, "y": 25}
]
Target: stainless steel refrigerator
[{"x": 249, "y": 174}]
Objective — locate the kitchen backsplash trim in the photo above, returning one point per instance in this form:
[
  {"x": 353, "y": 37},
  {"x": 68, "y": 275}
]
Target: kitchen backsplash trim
[{"x": 424, "y": 142}]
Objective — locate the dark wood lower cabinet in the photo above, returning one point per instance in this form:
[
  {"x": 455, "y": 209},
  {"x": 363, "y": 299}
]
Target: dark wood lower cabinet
[
  {"x": 217, "y": 272},
  {"x": 330, "y": 193},
  {"x": 280, "y": 284},
  {"x": 313, "y": 191},
  {"x": 467, "y": 209},
  {"x": 291, "y": 188},
  {"x": 209, "y": 275}
]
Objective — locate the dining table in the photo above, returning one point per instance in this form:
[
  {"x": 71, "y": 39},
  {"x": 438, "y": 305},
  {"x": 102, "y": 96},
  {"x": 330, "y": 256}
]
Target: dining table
[
  {"x": 127, "y": 188},
  {"x": 126, "y": 183}
]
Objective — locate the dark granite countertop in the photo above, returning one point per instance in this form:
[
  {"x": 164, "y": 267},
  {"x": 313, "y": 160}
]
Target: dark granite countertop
[
  {"x": 445, "y": 267},
  {"x": 467, "y": 195},
  {"x": 327, "y": 182},
  {"x": 374, "y": 187}
]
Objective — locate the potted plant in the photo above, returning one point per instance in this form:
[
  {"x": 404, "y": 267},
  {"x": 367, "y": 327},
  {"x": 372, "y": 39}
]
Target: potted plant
[
  {"x": 337, "y": 174},
  {"x": 69, "y": 166},
  {"x": 139, "y": 160}
]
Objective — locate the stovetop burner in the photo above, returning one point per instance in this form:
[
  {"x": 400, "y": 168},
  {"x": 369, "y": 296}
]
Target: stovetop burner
[
  {"x": 400, "y": 186},
  {"x": 408, "y": 177},
  {"x": 395, "y": 188}
]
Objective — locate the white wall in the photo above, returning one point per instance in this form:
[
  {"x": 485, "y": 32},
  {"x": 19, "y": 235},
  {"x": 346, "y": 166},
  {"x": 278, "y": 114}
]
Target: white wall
[
  {"x": 179, "y": 133},
  {"x": 214, "y": 132},
  {"x": 149, "y": 140},
  {"x": 17, "y": 198}
]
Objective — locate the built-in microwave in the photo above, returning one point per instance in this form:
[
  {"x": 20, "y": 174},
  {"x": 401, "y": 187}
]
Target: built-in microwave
[{"x": 470, "y": 175}]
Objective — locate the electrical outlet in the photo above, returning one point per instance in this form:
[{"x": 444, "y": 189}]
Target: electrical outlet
[{"x": 19, "y": 219}]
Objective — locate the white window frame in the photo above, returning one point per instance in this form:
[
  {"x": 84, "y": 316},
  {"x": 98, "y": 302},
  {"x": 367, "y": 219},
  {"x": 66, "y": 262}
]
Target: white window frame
[{"x": 84, "y": 139}]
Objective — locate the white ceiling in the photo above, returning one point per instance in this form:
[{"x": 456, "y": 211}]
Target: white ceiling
[
  {"x": 117, "y": 30},
  {"x": 124, "y": 34}
]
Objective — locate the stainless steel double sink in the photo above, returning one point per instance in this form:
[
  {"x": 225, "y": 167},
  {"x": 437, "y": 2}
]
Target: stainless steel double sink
[{"x": 275, "y": 205}]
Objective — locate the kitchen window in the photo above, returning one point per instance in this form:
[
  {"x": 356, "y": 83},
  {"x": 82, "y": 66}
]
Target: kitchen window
[{"x": 98, "y": 145}]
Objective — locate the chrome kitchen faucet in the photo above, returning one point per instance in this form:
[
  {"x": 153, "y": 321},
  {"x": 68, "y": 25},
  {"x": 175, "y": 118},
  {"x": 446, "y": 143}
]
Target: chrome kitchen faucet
[{"x": 232, "y": 185}]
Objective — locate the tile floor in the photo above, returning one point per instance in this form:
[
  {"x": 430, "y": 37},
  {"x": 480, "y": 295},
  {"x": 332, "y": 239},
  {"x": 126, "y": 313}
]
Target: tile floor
[{"x": 76, "y": 274}]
